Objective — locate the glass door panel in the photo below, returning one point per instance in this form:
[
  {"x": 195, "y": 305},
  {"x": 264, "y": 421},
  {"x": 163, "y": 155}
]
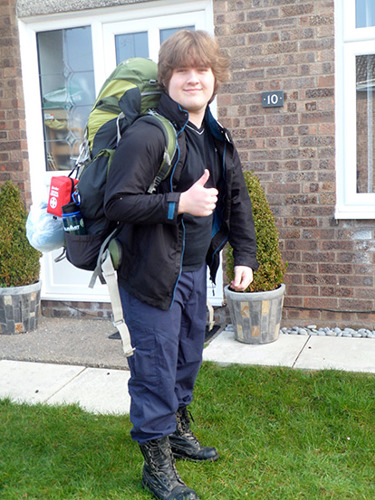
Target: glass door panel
[
  {"x": 365, "y": 13},
  {"x": 142, "y": 37},
  {"x": 166, "y": 33},
  {"x": 131, "y": 45},
  {"x": 66, "y": 77},
  {"x": 136, "y": 44}
]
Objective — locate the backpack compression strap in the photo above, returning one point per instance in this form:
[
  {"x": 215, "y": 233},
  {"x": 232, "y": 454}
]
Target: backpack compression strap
[
  {"x": 170, "y": 146},
  {"x": 118, "y": 318},
  {"x": 106, "y": 271}
]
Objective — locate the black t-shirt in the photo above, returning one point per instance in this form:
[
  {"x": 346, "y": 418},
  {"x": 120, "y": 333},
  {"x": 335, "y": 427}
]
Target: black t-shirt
[{"x": 201, "y": 154}]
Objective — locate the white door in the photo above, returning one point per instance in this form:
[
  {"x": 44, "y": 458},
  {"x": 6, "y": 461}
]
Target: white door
[{"x": 65, "y": 61}]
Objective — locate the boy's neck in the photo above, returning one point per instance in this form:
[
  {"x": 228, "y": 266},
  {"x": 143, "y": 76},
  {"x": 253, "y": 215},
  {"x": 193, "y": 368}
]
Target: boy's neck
[{"x": 196, "y": 118}]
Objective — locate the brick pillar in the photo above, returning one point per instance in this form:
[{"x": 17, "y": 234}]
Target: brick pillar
[{"x": 14, "y": 163}]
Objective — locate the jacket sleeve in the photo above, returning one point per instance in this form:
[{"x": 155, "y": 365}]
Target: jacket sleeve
[
  {"x": 135, "y": 163},
  {"x": 241, "y": 222}
]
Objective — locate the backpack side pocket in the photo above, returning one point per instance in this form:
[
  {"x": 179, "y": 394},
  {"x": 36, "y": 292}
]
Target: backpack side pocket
[{"x": 82, "y": 250}]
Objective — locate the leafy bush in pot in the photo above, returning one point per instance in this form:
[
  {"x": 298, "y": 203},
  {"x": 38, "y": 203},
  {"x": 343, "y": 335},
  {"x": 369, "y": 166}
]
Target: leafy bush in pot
[
  {"x": 272, "y": 269},
  {"x": 19, "y": 261}
]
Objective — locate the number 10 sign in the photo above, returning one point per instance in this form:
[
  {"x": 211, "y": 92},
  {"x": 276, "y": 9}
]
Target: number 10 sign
[{"x": 273, "y": 99}]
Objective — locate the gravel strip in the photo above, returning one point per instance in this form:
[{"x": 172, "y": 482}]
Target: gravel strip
[
  {"x": 323, "y": 331},
  {"x": 329, "y": 332}
]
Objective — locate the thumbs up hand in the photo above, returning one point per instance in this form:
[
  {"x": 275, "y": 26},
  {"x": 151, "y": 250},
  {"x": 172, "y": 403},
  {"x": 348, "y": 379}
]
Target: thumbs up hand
[{"x": 198, "y": 200}]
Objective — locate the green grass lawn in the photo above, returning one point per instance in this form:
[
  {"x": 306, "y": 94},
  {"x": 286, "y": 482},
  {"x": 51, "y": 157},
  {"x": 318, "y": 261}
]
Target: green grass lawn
[{"x": 281, "y": 434}]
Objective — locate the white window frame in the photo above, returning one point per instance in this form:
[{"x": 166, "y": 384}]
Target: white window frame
[
  {"x": 349, "y": 43},
  {"x": 105, "y": 24}
]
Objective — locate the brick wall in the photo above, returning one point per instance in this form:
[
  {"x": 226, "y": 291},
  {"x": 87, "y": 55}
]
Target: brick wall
[
  {"x": 289, "y": 45},
  {"x": 273, "y": 45},
  {"x": 83, "y": 310},
  {"x": 13, "y": 146}
]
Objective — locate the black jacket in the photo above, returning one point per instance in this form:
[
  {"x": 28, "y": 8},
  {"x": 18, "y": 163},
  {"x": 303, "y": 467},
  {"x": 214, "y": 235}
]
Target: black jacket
[{"x": 152, "y": 236}]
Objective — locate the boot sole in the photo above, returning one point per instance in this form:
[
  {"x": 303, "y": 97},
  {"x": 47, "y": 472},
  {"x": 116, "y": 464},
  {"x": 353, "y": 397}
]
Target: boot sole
[
  {"x": 191, "y": 459},
  {"x": 147, "y": 487}
]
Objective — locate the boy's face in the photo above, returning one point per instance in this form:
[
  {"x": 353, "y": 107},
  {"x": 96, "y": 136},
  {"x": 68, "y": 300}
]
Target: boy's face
[{"x": 192, "y": 88}]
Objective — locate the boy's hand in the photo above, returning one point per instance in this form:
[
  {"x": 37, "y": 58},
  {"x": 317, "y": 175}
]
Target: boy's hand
[
  {"x": 243, "y": 276},
  {"x": 198, "y": 200}
]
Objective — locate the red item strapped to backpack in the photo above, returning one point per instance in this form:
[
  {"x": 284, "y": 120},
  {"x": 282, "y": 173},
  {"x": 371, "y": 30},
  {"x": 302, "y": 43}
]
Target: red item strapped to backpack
[{"x": 60, "y": 193}]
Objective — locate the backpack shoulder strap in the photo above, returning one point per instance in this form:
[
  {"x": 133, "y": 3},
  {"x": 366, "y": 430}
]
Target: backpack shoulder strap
[{"x": 170, "y": 146}]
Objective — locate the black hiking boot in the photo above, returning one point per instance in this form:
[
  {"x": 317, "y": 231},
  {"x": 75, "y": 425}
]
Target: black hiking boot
[
  {"x": 185, "y": 445},
  {"x": 160, "y": 475}
]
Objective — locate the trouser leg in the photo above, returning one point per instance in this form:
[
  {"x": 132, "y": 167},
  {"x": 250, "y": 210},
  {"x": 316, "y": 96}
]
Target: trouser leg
[
  {"x": 168, "y": 353},
  {"x": 191, "y": 339}
]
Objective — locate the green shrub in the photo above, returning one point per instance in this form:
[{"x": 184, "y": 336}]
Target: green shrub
[
  {"x": 19, "y": 261},
  {"x": 271, "y": 270}
]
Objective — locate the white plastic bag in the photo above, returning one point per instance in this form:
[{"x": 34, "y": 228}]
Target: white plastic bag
[{"x": 44, "y": 231}]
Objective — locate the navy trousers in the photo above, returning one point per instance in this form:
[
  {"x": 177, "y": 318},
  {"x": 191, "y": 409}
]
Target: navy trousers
[{"x": 168, "y": 354}]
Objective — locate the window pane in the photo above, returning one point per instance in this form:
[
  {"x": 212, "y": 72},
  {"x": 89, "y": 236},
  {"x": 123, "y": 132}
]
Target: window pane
[
  {"x": 166, "y": 33},
  {"x": 131, "y": 45},
  {"x": 365, "y": 13},
  {"x": 365, "y": 69},
  {"x": 67, "y": 86}
]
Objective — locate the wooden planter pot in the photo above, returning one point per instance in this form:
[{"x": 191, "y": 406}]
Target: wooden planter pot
[
  {"x": 256, "y": 316},
  {"x": 19, "y": 308}
]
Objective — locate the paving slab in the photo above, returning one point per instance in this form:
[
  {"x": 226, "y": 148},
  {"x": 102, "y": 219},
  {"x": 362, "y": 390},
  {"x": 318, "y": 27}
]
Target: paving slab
[
  {"x": 67, "y": 341},
  {"x": 224, "y": 349},
  {"x": 27, "y": 382},
  {"x": 97, "y": 390},
  {"x": 349, "y": 354}
]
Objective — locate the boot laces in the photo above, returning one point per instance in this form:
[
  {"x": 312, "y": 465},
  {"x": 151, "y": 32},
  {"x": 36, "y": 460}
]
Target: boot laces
[
  {"x": 161, "y": 458},
  {"x": 183, "y": 425}
]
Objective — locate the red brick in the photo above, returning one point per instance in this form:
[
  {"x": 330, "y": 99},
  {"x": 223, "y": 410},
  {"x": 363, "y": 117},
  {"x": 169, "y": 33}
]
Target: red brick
[
  {"x": 297, "y": 10},
  {"x": 304, "y": 290},
  {"x": 356, "y": 304},
  {"x": 320, "y": 279},
  {"x": 322, "y": 302}
]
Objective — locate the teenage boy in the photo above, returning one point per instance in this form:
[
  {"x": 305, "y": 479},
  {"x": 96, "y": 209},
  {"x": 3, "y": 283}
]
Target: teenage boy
[{"x": 168, "y": 240}]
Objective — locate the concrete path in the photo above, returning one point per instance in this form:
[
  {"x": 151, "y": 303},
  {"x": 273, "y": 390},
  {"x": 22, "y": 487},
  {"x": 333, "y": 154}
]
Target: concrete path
[
  {"x": 295, "y": 351},
  {"x": 104, "y": 390},
  {"x": 97, "y": 390}
]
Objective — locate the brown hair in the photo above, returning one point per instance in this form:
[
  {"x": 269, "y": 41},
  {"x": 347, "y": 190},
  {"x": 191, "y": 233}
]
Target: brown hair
[{"x": 186, "y": 49}]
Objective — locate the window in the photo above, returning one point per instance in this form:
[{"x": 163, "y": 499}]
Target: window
[
  {"x": 364, "y": 13},
  {"x": 136, "y": 44},
  {"x": 131, "y": 45},
  {"x": 365, "y": 80},
  {"x": 66, "y": 75},
  {"x": 164, "y": 34},
  {"x": 355, "y": 108}
]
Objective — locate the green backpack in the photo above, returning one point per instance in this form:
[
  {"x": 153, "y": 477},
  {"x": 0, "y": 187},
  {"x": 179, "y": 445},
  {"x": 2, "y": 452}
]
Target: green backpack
[{"x": 130, "y": 93}]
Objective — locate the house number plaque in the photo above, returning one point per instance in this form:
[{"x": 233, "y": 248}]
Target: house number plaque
[{"x": 273, "y": 99}]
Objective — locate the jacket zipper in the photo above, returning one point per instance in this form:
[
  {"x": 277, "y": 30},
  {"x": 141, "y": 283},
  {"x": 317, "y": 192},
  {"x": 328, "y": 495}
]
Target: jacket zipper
[
  {"x": 221, "y": 245},
  {"x": 182, "y": 221}
]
